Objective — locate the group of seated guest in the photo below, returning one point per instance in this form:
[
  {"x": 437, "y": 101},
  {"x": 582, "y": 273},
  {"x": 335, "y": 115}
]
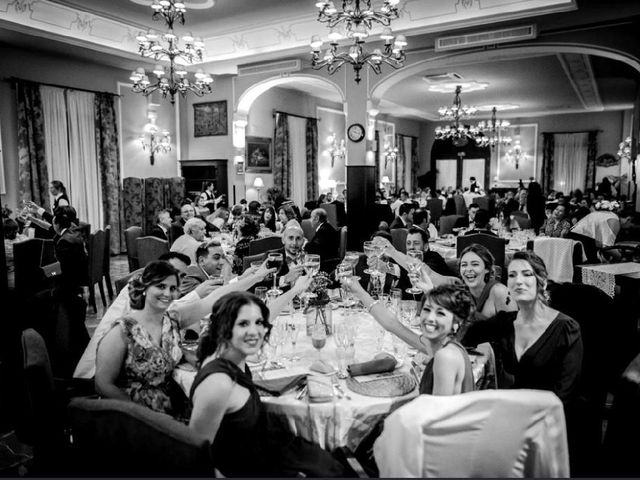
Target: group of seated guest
[{"x": 194, "y": 233}]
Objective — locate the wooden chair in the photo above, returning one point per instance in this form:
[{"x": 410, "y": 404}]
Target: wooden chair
[
  {"x": 446, "y": 224},
  {"x": 494, "y": 244},
  {"x": 248, "y": 259},
  {"x": 107, "y": 261},
  {"x": 262, "y": 245},
  {"x": 434, "y": 205},
  {"x": 461, "y": 206},
  {"x": 399, "y": 239},
  {"x": 308, "y": 229},
  {"x": 119, "y": 438},
  {"x": 130, "y": 236},
  {"x": 96, "y": 268},
  {"x": 332, "y": 213},
  {"x": 150, "y": 249},
  {"x": 483, "y": 202}
]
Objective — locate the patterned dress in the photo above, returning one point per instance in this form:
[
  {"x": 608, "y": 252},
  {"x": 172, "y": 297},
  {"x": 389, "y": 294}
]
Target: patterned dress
[{"x": 146, "y": 375}]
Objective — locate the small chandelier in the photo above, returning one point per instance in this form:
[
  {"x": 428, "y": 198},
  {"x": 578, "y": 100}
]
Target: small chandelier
[
  {"x": 515, "y": 155},
  {"x": 336, "y": 150},
  {"x": 459, "y": 134},
  {"x": 154, "y": 139},
  {"x": 624, "y": 149},
  {"x": 167, "y": 47},
  {"x": 493, "y": 132},
  {"x": 357, "y": 17}
]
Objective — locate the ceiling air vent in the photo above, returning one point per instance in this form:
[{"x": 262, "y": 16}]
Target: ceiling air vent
[
  {"x": 442, "y": 77},
  {"x": 272, "y": 67},
  {"x": 490, "y": 37}
]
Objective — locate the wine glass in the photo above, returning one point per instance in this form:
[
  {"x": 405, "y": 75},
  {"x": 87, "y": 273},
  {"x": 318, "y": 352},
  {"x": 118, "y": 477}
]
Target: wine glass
[
  {"x": 274, "y": 260},
  {"x": 370, "y": 251},
  {"x": 351, "y": 258},
  {"x": 319, "y": 338},
  {"x": 261, "y": 293},
  {"x": 311, "y": 264},
  {"x": 414, "y": 270},
  {"x": 395, "y": 298}
]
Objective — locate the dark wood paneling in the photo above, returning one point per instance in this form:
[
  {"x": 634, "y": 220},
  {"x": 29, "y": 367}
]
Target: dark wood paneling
[{"x": 361, "y": 221}]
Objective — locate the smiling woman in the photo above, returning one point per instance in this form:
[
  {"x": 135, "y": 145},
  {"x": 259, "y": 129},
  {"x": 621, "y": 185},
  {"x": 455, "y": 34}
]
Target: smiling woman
[{"x": 136, "y": 358}]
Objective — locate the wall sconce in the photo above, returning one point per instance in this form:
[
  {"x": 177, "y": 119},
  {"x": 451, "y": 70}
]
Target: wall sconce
[
  {"x": 336, "y": 150},
  {"x": 153, "y": 139},
  {"x": 390, "y": 155},
  {"x": 385, "y": 182},
  {"x": 258, "y": 184}
]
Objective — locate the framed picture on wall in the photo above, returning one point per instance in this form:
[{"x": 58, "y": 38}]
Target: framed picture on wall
[
  {"x": 210, "y": 119},
  {"x": 518, "y": 161},
  {"x": 258, "y": 155}
]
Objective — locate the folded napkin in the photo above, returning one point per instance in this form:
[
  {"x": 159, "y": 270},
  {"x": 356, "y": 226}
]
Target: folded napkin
[
  {"x": 319, "y": 389},
  {"x": 279, "y": 386},
  {"x": 383, "y": 362},
  {"x": 321, "y": 366}
]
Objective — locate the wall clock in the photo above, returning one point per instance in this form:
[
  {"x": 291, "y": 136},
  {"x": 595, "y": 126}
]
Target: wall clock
[{"x": 355, "y": 132}]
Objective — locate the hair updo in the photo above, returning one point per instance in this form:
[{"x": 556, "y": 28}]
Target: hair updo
[
  {"x": 539, "y": 271},
  {"x": 154, "y": 273},
  {"x": 457, "y": 299}
]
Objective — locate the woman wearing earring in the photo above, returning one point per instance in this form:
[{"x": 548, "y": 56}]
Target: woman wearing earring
[
  {"x": 476, "y": 270},
  {"x": 536, "y": 347},
  {"x": 226, "y": 405},
  {"x": 445, "y": 310}
]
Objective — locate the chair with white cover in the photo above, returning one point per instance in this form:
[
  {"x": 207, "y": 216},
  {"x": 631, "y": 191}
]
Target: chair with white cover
[
  {"x": 560, "y": 256},
  {"x": 488, "y": 433}
]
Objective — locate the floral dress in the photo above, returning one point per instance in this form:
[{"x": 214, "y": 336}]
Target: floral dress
[{"x": 146, "y": 375}]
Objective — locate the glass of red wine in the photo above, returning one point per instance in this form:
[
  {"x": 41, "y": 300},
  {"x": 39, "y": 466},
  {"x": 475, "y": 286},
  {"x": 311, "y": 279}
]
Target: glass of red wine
[{"x": 274, "y": 260}]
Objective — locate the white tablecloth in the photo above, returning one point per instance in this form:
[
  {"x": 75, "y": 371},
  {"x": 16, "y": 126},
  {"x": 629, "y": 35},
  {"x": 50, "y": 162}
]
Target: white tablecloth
[{"x": 341, "y": 422}]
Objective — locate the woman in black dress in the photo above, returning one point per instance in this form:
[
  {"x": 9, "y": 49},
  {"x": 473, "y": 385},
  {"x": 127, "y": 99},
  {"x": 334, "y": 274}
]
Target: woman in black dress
[
  {"x": 536, "y": 347},
  {"x": 227, "y": 407}
]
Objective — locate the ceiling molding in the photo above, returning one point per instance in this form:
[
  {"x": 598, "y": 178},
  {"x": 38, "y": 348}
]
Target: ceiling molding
[{"x": 580, "y": 74}]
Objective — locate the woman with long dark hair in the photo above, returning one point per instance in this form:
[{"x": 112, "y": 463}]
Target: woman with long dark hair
[{"x": 226, "y": 404}]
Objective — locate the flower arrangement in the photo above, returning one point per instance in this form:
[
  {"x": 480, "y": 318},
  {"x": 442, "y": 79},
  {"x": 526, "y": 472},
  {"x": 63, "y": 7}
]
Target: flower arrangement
[
  {"x": 316, "y": 310},
  {"x": 624, "y": 149},
  {"x": 610, "y": 206}
]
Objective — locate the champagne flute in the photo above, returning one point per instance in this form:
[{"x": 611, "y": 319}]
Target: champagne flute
[
  {"x": 351, "y": 258},
  {"x": 261, "y": 293},
  {"x": 274, "y": 260},
  {"x": 396, "y": 297},
  {"x": 319, "y": 338},
  {"x": 414, "y": 270},
  {"x": 293, "y": 337}
]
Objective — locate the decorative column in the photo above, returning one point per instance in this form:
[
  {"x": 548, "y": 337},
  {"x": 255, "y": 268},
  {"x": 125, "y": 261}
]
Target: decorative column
[{"x": 361, "y": 222}]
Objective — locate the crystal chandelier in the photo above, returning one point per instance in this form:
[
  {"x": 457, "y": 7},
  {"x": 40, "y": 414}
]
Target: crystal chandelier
[
  {"x": 154, "y": 139},
  {"x": 493, "y": 132},
  {"x": 459, "y": 134},
  {"x": 357, "y": 18},
  {"x": 167, "y": 47},
  {"x": 390, "y": 155}
]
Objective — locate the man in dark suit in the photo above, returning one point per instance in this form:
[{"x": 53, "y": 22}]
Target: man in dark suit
[
  {"x": 481, "y": 222},
  {"x": 162, "y": 229},
  {"x": 405, "y": 216},
  {"x": 177, "y": 228},
  {"x": 70, "y": 252},
  {"x": 468, "y": 221},
  {"x": 341, "y": 214},
  {"x": 418, "y": 239},
  {"x": 325, "y": 242}
]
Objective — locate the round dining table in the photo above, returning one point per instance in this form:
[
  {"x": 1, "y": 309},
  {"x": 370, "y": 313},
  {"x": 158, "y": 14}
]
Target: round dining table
[{"x": 349, "y": 416}]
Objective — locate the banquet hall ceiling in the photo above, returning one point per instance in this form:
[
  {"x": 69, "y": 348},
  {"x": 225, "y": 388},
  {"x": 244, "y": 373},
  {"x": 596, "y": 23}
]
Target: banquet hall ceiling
[{"x": 539, "y": 83}]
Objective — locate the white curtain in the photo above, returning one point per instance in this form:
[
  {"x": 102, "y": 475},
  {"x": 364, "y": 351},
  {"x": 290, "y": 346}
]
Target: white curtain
[
  {"x": 85, "y": 176},
  {"x": 56, "y": 139},
  {"x": 570, "y": 161},
  {"x": 298, "y": 151}
]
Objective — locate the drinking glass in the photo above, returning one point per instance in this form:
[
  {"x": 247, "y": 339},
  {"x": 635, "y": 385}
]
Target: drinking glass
[
  {"x": 351, "y": 258},
  {"x": 319, "y": 338},
  {"x": 311, "y": 264},
  {"x": 408, "y": 310},
  {"x": 376, "y": 284},
  {"x": 414, "y": 270},
  {"x": 395, "y": 297},
  {"x": 294, "y": 330},
  {"x": 261, "y": 293},
  {"x": 370, "y": 251},
  {"x": 274, "y": 260},
  {"x": 271, "y": 296}
]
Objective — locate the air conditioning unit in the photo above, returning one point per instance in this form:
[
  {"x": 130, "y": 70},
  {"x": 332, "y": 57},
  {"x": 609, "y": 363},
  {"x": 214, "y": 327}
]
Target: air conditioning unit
[
  {"x": 491, "y": 37},
  {"x": 272, "y": 67}
]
